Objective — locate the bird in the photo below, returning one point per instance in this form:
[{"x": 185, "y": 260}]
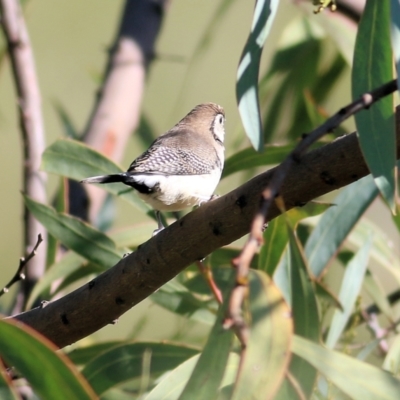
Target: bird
[{"x": 182, "y": 167}]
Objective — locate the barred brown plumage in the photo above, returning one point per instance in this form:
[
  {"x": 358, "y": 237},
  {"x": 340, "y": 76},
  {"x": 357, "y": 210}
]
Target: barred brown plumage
[{"x": 182, "y": 167}]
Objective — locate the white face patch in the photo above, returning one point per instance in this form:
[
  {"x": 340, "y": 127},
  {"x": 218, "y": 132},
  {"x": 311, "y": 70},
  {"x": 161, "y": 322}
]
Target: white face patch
[{"x": 219, "y": 127}]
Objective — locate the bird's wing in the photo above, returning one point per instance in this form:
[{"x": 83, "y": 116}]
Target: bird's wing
[
  {"x": 166, "y": 161},
  {"x": 175, "y": 153}
]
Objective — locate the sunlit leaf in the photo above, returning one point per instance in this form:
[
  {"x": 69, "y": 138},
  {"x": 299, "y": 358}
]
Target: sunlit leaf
[
  {"x": 124, "y": 362},
  {"x": 171, "y": 386},
  {"x": 359, "y": 380},
  {"x": 340, "y": 31},
  {"x": 372, "y": 67},
  {"x": 247, "y": 75},
  {"x": 349, "y": 290},
  {"x": 392, "y": 359},
  {"x": 267, "y": 356},
  {"x": 337, "y": 222},
  {"x": 208, "y": 373},
  {"x": 50, "y": 373},
  {"x": 382, "y": 250}
]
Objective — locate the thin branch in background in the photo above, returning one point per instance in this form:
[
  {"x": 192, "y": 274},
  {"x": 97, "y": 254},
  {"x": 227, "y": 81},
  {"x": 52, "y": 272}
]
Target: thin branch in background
[
  {"x": 23, "y": 261},
  {"x": 206, "y": 271},
  {"x": 117, "y": 111},
  {"x": 31, "y": 124},
  {"x": 234, "y": 317}
]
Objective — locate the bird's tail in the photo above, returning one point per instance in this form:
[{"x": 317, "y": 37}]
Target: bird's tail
[{"x": 106, "y": 178}]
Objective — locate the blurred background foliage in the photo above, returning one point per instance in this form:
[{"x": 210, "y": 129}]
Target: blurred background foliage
[{"x": 304, "y": 77}]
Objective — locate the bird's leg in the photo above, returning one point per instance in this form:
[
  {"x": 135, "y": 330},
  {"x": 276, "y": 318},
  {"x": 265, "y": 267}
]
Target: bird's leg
[{"x": 159, "y": 222}]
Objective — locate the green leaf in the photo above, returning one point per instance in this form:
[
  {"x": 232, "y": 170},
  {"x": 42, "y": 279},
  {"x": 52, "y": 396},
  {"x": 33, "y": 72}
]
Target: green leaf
[
  {"x": 304, "y": 304},
  {"x": 247, "y": 75},
  {"x": 87, "y": 271},
  {"x": 304, "y": 311},
  {"x": 77, "y": 161},
  {"x": 359, "y": 380},
  {"x": 377, "y": 294},
  {"x": 267, "y": 353},
  {"x": 249, "y": 158},
  {"x": 50, "y": 373},
  {"x": 349, "y": 290},
  {"x": 372, "y": 67},
  {"x": 395, "y": 35},
  {"x": 176, "y": 298},
  {"x": 382, "y": 249},
  {"x": 392, "y": 359},
  {"x": 223, "y": 257},
  {"x": 124, "y": 362},
  {"x": 80, "y": 237},
  {"x": 275, "y": 241},
  {"x": 69, "y": 262},
  {"x": 172, "y": 385},
  {"x": 276, "y": 235},
  {"x": 209, "y": 371},
  {"x": 60, "y": 206},
  {"x": 82, "y": 355},
  {"x": 336, "y": 223}
]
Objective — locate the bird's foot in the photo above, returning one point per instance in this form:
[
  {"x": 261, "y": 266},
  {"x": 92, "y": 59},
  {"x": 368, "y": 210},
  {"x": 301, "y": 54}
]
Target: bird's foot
[
  {"x": 211, "y": 198},
  {"x": 158, "y": 230},
  {"x": 214, "y": 197}
]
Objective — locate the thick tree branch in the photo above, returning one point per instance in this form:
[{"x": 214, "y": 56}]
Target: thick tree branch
[
  {"x": 31, "y": 122},
  {"x": 199, "y": 233}
]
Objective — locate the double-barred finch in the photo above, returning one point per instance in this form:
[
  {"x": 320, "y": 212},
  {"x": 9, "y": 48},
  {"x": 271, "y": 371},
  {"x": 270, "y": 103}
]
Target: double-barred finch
[{"x": 182, "y": 167}]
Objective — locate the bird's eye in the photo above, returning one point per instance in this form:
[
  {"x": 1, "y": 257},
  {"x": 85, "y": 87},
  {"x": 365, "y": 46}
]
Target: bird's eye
[{"x": 221, "y": 119}]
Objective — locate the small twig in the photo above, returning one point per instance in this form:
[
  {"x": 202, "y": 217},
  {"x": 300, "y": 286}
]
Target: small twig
[
  {"x": 234, "y": 319},
  {"x": 19, "y": 275},
  {"x": 206, "y": 271},
  {"x": 31, "y": 127},
  {"x": 117, "y": 109}
]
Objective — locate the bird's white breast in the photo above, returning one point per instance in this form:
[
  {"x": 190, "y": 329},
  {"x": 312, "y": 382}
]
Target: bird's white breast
[{"x": 177, "y": 192}]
